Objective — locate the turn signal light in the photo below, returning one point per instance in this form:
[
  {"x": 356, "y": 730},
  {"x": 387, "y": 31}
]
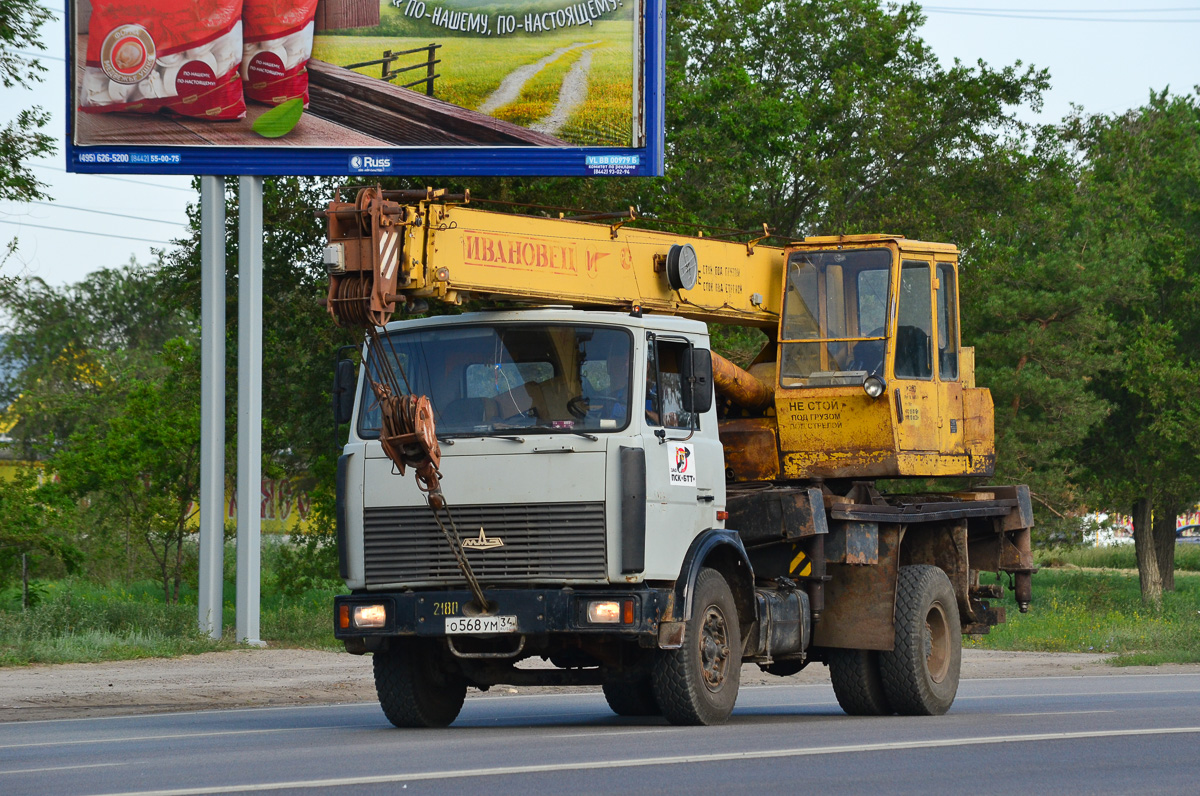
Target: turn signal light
[{"x": 344, "y": 617}]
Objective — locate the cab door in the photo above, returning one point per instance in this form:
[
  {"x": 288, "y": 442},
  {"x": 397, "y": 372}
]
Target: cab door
[
  {"x": 685, "y": 480},
  {"x": 913, "y": 391}
]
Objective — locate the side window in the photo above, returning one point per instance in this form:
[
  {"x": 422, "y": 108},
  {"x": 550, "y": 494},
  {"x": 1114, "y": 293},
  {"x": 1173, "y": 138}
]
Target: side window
[
  {"x": 872, "y": 302},
  {"x": 947, "y": 315},
  {"x": 664, "y": 386},
  {"x": 914, "y": 328}
]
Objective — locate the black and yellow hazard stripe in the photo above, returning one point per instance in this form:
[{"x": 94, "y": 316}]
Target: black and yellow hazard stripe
[{"x": 801, "y": 565}]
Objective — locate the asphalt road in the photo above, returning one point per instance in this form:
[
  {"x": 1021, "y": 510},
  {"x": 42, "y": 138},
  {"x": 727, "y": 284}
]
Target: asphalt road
[{"x": 1115, "y": 734}]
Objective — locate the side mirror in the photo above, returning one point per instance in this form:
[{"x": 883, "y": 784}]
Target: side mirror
[
  {"x": 697, "y": 380},
  {"x": 344, "y": 382}
]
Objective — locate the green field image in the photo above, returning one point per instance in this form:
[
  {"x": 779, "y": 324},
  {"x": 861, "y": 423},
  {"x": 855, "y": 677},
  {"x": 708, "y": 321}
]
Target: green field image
[
  {"x": 472, "y": 69},
  {"x": 393, "y": 21}
]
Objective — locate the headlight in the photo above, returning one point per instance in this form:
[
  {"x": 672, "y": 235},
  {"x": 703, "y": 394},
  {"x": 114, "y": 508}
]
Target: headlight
[
  {"x": 610, "y": 612},
  {"x": 370, "y": 616},
  {"x": 874, "y": 385}
]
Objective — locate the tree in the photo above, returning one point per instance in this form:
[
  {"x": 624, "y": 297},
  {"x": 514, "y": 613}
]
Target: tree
[
  {"x": 69, "y": 344},
  {"x": 1142, "y": 223},
  {"x": 1036, "y": 312},
  {"x": 299, "y": 337},
  {"x": 21, "y": 140},
  {"x": 140, "y": 470},
  {"x": 31, "y": 525}
]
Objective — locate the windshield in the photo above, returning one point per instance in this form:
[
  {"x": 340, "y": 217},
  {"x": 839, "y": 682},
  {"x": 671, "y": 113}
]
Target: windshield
[
  {"x": 500, "y": 380},
  {"x": 839, "y": 301}
]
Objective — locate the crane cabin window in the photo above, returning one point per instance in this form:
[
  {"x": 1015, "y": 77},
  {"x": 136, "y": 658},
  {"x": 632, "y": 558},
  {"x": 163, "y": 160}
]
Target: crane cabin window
[
  {"x": 914, "y": 325},
  {"x": 834, "y": 317},
  {"x": 947, "y": 318},
  {"x": 485, "y": 380}
]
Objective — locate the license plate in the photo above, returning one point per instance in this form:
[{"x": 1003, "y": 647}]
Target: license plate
[{"x": 456, "y": 625}]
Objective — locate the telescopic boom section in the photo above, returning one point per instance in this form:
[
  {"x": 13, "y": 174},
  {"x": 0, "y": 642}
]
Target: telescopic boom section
[{"x": 391, "y": 247}]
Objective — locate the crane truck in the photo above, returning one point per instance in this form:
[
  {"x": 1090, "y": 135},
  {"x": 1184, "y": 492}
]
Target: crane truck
[{"x": 601, "y": 499}]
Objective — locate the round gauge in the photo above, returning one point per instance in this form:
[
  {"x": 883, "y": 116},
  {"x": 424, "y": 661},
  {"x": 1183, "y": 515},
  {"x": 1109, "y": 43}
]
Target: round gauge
[{"x": 683, "y": 267}]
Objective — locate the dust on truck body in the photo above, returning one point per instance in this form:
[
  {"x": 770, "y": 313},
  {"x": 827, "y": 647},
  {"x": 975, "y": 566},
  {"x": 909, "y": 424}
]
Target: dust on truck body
[{"x": 608, "y": 513}]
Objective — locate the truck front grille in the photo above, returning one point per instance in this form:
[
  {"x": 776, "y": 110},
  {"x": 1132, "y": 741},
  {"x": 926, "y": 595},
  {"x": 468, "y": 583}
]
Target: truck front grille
[{"x": 542, "y": 542}]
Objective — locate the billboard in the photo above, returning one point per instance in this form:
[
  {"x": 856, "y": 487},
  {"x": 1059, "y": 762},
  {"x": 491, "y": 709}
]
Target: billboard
[{"x": 366, "y": 87}]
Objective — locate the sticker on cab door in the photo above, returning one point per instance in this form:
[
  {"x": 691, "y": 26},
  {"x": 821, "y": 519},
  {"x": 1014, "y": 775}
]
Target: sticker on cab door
[{"x": 682, "y": 465}]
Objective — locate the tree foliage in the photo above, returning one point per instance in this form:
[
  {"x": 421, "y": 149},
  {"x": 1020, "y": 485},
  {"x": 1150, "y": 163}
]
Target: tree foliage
[
  {"x": 299, "y": 337},
  {"x": 34, "y": 523},
  {"x": 70, "y": 344},
  {"x": 139, "y": 470},
  {"x": 1140, "y": 221},
  {"x": 1078, "y": 281},
  {"x": 21, "y": 140}
]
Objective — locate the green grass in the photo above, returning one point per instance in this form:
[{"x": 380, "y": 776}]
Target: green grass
[
  {"x": 76, "y": 622},
  {"x": 1074, "y": 610},
  {"x": 1187, "y": 557},
  {"x": 1078, "y": 610},
  {"x": 540, "y": 93},
  {"x": 605, "y": 118},
  {"x": 472, "y": 69}
]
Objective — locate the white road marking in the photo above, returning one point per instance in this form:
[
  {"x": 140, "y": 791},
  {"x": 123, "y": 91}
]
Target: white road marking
[
  {"x": 594, "y": 765},
  {"x": 601, "y": 732},
  {"x": 1058, "y": 713},
  {"x": 62, "y": 768},
  {"x": 1081, "y": 693},
  {"x": 176, "y": 736}
]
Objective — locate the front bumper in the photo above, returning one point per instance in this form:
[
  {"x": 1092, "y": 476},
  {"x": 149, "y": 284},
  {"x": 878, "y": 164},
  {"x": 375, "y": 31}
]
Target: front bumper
[{"x": 538, "y": 611}]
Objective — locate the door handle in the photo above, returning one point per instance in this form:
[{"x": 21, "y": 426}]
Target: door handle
[{"x": 899, "y": 407}]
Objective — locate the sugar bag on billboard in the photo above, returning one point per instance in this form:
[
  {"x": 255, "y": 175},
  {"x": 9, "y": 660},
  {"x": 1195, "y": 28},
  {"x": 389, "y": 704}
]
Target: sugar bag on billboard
[
  {"x": 181, "y": 56},
  {"x": 278, "y": 36}
]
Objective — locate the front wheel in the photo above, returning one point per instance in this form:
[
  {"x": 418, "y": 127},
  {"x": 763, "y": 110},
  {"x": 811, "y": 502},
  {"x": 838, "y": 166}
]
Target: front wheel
[
  {"x": 414, "y": 688},
  {"x": 920, "y": 675},
  {"x": 698, "y": 683}
]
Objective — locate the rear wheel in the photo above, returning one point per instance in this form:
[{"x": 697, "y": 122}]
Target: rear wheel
[
  {"x": 858, "y": 683},
  {"x": 632, "y": 698},
  {"x": 698, "y": 683},
  {"x": 414, "y": 688},
  {"x": 920, "y": 675}
]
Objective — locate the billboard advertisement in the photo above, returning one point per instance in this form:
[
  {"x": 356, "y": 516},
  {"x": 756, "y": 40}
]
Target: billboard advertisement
[{"x": 366, "y": 87}]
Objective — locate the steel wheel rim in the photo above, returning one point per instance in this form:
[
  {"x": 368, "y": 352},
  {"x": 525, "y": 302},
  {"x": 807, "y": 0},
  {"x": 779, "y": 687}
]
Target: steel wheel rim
[
  {"x": 937, "y": 643},
  {"x": 714, "y": 648}
]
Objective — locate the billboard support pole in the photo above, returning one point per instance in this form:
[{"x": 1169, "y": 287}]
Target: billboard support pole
[
  {"x": 212, "y": 403},
  {"x": 249, "y": 426}
]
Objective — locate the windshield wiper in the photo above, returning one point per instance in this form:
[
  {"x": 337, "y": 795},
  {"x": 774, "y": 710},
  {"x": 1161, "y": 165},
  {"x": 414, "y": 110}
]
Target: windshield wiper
[{"x": 583, "y": 434}]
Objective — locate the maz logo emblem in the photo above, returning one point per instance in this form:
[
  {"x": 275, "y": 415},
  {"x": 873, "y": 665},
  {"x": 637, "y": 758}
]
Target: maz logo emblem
[{"x": 483, "y": 542}]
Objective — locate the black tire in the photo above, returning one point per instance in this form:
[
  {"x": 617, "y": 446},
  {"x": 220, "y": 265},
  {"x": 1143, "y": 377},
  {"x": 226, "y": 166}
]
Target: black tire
[
  {"x": 920, "y": 676},
  {"x": 632, "y": 698},
  {"x": 698, "y": 683},
  {"x": 414, "y": 688},
  {"x": 858, "y": 682}
]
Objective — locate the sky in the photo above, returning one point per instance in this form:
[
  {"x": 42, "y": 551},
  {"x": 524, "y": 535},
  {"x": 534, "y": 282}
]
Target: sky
[{"x": 1103, "y": 55}]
